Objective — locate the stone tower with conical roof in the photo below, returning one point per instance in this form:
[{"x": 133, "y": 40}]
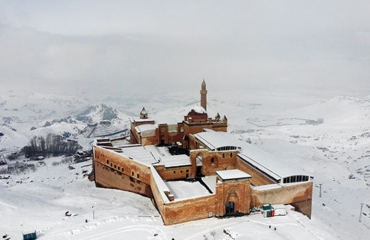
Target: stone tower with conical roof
[
  {"x": 203, "y": 95},
  {"x": 143, "y": 114}
]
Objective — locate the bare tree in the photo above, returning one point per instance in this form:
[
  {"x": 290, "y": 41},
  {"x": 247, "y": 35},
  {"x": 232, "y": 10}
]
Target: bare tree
[{"x": 53, "y": 145}]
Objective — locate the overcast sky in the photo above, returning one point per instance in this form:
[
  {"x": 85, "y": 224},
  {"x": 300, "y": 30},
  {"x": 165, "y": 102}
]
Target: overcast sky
[{"x": 117, "y": 46}]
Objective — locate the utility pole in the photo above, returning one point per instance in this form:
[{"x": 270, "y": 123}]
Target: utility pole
[
  {"x": 320, "y": 189},
  {"x": 359, "y": 219},
  {"x": 92, "y": 208}
]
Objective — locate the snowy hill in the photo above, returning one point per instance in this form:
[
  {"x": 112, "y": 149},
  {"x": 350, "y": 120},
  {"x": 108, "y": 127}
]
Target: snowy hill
[
  {"x": 334, "y": 151},
  {"x": 28, "y": 115},
  {"x": 101, "y": 112}
]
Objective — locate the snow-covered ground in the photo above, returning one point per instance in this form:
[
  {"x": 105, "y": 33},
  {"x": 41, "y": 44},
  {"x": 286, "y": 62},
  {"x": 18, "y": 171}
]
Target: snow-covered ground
[
  {"x": 38, "y": 200},
  {"x": 335, "y": 152}
]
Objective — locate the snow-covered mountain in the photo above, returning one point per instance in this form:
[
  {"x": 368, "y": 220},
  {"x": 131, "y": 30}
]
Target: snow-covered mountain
[{"x": 25, "y": 116}]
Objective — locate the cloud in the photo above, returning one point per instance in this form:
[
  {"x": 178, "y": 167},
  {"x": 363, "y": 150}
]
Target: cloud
[{"x": 110, "y": 47}]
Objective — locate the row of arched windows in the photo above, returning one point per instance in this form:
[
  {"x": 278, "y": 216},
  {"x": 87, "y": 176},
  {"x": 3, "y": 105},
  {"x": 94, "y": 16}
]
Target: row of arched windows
[
  {"x": 227, "y": 148},
  {"x": 119, "y": 168},
  {"x": 297, "y": 178}
]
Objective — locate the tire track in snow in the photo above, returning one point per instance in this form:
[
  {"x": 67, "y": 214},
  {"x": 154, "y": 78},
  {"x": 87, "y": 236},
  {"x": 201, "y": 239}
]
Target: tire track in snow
[{"x": 147, "y": 228}]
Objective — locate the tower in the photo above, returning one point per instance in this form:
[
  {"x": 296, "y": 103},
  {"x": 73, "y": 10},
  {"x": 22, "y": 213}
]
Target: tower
[
  {"x": 143, "y": 114},
  {"x": 203, "y": 95}
]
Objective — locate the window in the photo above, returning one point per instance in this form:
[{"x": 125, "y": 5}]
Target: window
[
  {"x": 107, "y": 161},
  {"x": 115, "y": 166},
  {"x": 138, "y": 175},
  {"x": 132, "y": 173},
  {"x": 231, "y": 154},
  {"x": 174, "y": 172},
  {"x": 212, "y": 161},
  {"x": 119, "y": 168}
]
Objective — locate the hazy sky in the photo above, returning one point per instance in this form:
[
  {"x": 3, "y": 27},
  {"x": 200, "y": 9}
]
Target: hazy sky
[{"x": 116, "y": 46}]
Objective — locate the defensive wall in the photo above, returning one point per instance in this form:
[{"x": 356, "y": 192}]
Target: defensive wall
[{"x": 113, "y": 170}]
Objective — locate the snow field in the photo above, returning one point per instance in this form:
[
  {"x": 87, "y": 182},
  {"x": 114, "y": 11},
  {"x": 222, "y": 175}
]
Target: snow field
[{"x": 335, "y": 152}]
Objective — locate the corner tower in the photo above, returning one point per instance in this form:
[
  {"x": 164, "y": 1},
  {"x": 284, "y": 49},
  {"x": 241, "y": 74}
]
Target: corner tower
[{"x": 203, "y": 96}]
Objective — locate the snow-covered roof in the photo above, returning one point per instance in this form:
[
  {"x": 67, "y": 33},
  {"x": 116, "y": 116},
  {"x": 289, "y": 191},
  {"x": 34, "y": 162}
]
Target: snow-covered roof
[
  {"x": 151, "y": 125},
  {"x": 185, "y": 190},
  {"x": 160, "y": 119},
  {"x": 217, "y": 140},
  {"x": 167, "y": 120},
  {"x": 162, "y": 186},
  {"x": 146, "y": 129},
  {"x": 143, "y": 111},
  {"x": 267, "y": 163},
  {"x": 234, "y": 174},
  {"x": 119, "y": 142},
  {"x": 139, "y": 154},
  {"x": 266, "y": 187},
  {"x": 210, "y": 181},
  {"x": 256, "y": 157},
  {"x": 199, "y": 109},
  {"x": 134, "y": 119},
  {"x": 175, "y": 161},
  {"x": 154, "y": 151}
]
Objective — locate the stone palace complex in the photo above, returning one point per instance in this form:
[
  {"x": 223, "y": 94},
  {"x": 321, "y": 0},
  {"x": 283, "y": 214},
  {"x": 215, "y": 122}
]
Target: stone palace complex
[{"x": 193, "y": 169}]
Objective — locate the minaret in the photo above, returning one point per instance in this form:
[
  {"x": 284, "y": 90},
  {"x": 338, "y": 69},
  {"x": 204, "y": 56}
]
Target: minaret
[{"x": 203, "y": 95}]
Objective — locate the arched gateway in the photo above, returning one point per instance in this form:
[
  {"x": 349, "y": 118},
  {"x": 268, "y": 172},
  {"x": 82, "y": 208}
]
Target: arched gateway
[{"x": 233, "y": 192}]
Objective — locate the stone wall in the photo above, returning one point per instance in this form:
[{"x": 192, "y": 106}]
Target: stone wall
[
  {"x": 297, "y": 194},
  {"x": 189, "y": 210},
  {"x": 113, "y": 170},
  {"x": 175, "y": 173},
  {"x": 117, "y": 163},
  {"x": 214, "y": 161},
  {"x": 258, "y": 178},
  {"x": 111, "y": 178}
]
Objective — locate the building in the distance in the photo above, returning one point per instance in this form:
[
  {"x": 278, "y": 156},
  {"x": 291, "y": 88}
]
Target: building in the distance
[{"x": 194, "y": 169}]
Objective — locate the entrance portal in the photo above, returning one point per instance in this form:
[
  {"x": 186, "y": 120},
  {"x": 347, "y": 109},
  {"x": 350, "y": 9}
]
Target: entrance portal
[{"x": 230, "y": 208}]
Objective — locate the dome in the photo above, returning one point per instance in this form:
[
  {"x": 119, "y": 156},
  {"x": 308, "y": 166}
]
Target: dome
[{"x": 199, "y": 109}]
